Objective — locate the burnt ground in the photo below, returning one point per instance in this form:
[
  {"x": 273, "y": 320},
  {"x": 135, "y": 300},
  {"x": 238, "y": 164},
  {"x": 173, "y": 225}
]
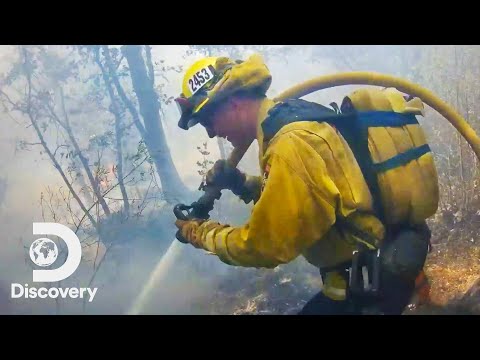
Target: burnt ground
[{"x": 453, "y": 269}]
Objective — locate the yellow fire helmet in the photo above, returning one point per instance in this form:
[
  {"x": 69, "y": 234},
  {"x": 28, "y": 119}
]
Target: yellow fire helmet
[{"x": 211, "y": 79}]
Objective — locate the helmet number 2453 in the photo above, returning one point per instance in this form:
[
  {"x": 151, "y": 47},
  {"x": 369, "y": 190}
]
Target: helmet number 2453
[{"x": 199, "y": 79}]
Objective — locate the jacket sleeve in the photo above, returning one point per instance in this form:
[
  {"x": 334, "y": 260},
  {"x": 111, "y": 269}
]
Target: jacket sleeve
[{"x": 290, "y": 215}]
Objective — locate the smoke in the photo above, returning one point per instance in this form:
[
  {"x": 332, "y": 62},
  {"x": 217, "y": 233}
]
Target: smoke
[{"x": 24, "y": 175}]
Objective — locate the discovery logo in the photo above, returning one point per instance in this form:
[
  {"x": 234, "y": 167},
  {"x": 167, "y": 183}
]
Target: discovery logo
[{"x": 44, "y": 252}]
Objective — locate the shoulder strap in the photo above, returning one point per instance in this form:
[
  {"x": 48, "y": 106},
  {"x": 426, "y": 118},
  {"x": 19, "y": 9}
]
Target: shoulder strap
[
  {"x": 294, "y": 110},
  {"x": 353, "y": 125},
  {"x": 356, "y": 136}
]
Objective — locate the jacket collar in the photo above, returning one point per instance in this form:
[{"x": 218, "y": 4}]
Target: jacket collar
[{"x": 266, "y": 105}]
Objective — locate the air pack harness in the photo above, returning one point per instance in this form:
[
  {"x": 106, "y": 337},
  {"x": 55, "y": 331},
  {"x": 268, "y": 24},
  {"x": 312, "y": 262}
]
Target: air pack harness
[{"x": 367, "y": 263}]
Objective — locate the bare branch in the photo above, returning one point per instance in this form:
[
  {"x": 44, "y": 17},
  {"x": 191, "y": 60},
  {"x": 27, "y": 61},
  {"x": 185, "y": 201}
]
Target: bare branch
[
  {"x": 83, "y": 160},
  {"x": 128, "y": 126},
  {"x": 117, "y": 65},
  {"x": 14, "y": 105},
  {"x": 118, "y": 130},
  {"x": 114, "y": 77},
  {"x": 47, "y": 150},
  {"x": 140, "y": 207},
  {"x": 58, "y": 147},
  {"x": 106, "y": 192},
  {"x": 130, "y": 199}
]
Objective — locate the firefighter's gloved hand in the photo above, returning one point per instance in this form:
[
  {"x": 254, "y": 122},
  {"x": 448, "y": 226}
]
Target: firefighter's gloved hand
[
  {"x": 189, "y": 231},
  {"x": 226, "y": 177},
  {"x": 251, "y": 189}
]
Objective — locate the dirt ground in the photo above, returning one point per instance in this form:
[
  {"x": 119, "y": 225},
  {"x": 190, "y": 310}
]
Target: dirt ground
[
  {"x": 454, "y": 274},
  {"x": 453, "y": 270}
]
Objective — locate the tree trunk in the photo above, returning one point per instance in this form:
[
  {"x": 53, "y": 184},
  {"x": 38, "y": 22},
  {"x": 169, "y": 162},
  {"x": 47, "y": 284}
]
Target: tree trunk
[
  {"x": 118, "y": 129},
  {"x": 118, "y": 138},
  {"x": 81, "y": 180},
  {"x": 127, "y": 102},
  {"x": 172, "y": 186}
]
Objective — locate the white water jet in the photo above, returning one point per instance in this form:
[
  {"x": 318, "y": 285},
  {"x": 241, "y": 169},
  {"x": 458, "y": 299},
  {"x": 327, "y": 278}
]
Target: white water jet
[{"x": 157, "y": 277}]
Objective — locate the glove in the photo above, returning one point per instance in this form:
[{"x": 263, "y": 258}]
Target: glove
[
  {"x": 189, "y": 229},
  {"x": 225, "y": 176},
  {"x": 228, "y": 177},
  {"x": 251, "y": 189}
]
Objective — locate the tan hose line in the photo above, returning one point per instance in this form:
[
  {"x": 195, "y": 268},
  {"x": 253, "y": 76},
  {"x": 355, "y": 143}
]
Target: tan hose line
[{"x": 377, "y": 79}]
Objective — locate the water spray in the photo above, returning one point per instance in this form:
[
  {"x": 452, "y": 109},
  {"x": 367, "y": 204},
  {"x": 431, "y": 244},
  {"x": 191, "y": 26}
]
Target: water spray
[{"x": 197, "y": 210}]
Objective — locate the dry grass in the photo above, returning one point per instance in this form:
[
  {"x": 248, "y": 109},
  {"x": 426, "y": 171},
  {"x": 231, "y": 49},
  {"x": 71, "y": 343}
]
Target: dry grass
[
  {"x": 452, "y": 270},
  {"x": 453, "y": 267}
]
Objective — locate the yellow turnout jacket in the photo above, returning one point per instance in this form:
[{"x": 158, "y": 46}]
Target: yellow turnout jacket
[{"x": 309, "y": 177}]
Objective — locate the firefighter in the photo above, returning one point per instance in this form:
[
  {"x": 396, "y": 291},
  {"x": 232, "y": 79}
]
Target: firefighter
[{"x": 349, "y": 188}]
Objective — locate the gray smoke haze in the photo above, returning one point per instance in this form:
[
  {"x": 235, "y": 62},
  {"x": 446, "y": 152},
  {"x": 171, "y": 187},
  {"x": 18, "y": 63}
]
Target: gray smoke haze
[{"x": 24, "y": 175}]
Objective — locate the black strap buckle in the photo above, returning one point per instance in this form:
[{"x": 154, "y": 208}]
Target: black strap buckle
[{"x": 364, "y": 274}]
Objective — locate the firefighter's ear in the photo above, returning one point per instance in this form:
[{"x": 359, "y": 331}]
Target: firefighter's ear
[{"x": 235, "y": 102}]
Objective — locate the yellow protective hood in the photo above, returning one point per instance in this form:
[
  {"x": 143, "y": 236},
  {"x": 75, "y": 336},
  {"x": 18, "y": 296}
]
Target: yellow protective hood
[{"x": 251, "y": 76}]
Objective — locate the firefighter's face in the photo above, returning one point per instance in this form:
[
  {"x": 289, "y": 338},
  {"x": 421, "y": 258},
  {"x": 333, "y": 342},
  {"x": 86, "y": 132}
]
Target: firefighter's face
[{"x": 230, "y": 120}]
